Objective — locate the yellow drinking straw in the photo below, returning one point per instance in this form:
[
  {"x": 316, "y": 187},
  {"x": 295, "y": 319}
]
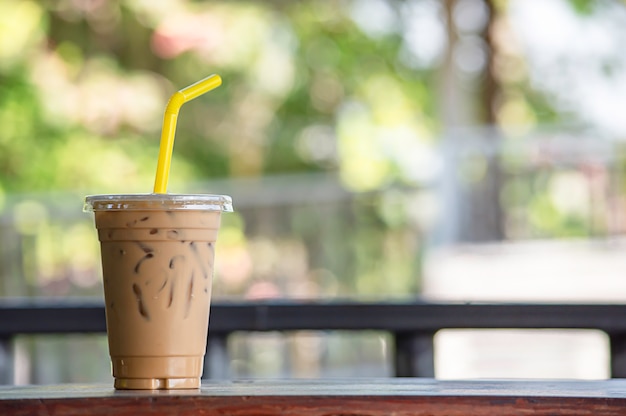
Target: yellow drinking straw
[{"x": 169, "y": 126}]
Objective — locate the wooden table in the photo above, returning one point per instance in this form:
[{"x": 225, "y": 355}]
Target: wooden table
[{"x": 399, "y": 397}]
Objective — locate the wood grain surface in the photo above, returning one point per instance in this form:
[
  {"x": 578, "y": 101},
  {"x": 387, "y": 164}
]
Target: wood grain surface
[{"x": 399, "y": 397}]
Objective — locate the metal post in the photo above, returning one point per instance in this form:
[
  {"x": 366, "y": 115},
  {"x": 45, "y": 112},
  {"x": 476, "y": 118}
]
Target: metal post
[
  {"x": 414, "y": 354},
  {"x": 6, "y": 361},
  {"x": 618, "y": 355},
  {"x": 216, "y": 360}
]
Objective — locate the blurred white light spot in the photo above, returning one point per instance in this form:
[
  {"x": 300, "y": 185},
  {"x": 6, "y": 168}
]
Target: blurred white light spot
[
  {"x": 470, "y": 16},
  {"x": 317, "y": 143},
  {"x": 570, "y": 193},
  {"x": 425, "y": 37},
  {"x": 374, "y": 17},
  {"x": 29, "y": 215},
  {"x": 470, "y": 55}
]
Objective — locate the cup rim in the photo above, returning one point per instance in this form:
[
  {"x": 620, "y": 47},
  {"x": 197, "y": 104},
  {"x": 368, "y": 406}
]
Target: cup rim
[{"x": 160, "y": 202}]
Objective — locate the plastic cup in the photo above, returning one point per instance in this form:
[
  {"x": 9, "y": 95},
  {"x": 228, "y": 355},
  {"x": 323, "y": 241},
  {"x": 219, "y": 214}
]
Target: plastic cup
[{"x": 157, "y": 262}]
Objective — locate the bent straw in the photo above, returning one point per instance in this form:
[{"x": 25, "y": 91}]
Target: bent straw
[{"x": 169, "y": 126}]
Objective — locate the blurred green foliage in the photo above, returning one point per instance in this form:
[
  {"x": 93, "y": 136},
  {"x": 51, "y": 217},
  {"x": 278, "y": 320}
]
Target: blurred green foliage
[
  {"x": 306, "y": 89},
  {"x": 83, "y": 86},
  {"x": 349, "y": 90}
]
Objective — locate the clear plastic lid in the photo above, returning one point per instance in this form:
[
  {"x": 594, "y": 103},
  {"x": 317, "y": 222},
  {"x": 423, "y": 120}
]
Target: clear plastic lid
[{"x": 153, "y": 202}]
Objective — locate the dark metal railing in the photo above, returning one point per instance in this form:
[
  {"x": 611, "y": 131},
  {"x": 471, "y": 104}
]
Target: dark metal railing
[{"x": 412, "y": 325}]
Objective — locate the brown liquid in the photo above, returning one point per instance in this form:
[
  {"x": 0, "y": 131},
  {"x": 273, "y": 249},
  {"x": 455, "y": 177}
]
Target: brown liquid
[{"x": 157, "y": 269}]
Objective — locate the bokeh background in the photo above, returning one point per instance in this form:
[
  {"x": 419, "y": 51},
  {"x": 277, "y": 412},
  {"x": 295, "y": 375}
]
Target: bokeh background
[{"x": 375, "y": 150}]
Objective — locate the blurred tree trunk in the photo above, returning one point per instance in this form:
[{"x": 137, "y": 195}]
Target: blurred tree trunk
[{"x": 471, "y": 180}]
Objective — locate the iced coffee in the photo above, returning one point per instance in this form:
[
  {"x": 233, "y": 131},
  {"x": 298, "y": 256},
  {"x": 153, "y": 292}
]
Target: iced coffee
[{"x": 157, "y": 260}]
